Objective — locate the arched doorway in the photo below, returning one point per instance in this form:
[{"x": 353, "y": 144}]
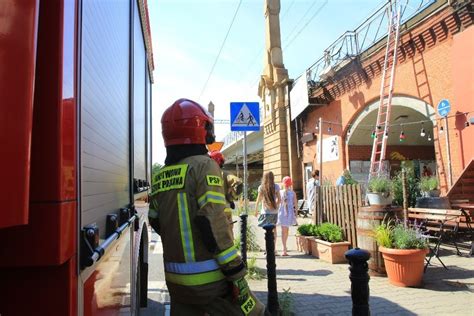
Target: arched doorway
[{"x": 414, "y": 118}]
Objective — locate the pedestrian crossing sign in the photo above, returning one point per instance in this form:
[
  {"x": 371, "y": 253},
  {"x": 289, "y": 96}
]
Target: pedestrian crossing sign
[{"x": 244, "y": 116}]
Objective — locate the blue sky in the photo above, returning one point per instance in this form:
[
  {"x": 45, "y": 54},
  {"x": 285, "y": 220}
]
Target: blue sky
[{"x": 187, "y": 36}]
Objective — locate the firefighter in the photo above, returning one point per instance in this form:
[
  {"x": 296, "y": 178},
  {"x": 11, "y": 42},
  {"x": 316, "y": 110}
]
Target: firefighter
[
  {"x": 203, "y": 271},
  {"x": 232, "y": 186}
]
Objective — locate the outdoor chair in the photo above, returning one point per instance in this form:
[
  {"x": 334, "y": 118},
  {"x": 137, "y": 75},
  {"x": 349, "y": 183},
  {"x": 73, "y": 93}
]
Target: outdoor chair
[
  {"x": 437, "y": 226},
  {"x": 303, "y": 209}
]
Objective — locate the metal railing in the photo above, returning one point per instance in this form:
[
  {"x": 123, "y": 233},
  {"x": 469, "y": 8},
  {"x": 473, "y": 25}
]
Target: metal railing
[{"x": 352, "y": 43}]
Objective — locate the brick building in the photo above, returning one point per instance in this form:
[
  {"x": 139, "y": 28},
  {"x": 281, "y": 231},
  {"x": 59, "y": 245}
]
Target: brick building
[{"x": 435, "y": 62}]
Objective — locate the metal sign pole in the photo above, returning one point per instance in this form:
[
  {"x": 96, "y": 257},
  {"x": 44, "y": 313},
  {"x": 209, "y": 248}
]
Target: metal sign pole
[
  {"x": 245, "y": 174},
  {"x": 319, "y": 216},
  {"x": 448, "y": 153}
]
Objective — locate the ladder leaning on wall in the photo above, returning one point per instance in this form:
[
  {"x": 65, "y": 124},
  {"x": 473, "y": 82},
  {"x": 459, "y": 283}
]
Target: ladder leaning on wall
[{"x": 381, "y": 130}]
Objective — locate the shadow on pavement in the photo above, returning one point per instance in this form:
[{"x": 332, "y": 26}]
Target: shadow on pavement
[
  {"x": 316, "y": 304},
  {"x": 300, "y": 272},
  {"x": 439, "y": 279}
]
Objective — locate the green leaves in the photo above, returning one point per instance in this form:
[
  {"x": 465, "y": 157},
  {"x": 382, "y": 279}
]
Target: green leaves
[
  {"x": 429, "y": 184},
  {"x": 398, "y": 236},
  {"x": 379, "y": 185},
  {"x": 326, "y": 231},
  {"x": 305, "y": 229}
]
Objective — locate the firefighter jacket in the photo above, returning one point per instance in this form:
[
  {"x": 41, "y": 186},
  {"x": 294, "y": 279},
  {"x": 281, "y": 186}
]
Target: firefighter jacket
[
  {"x": 187, "y": 210},
  {"x": 232, "y": 185}
]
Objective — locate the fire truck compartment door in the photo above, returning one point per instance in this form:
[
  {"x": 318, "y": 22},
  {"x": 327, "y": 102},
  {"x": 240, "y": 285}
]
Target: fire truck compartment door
[{"x": 18, "y": 35}]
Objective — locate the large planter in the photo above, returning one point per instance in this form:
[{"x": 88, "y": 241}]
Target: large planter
[
  {"x": 332, "y": 252},
  {"x": 379, "y": 198},
  {"x": 368, "y": 218},
  {"x": 303, "y": 244},
  {"x": 404, "y": 266}
]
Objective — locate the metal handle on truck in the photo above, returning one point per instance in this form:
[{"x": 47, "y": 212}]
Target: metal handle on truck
[{"x": 91, "y": 252}]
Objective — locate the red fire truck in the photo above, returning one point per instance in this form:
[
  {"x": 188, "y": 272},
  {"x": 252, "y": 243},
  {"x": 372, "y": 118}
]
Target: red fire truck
[{"x": 75, "y": 139}]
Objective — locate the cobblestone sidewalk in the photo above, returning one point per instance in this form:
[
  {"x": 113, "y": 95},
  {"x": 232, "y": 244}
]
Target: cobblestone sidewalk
[{"x": 320, "y": 288}]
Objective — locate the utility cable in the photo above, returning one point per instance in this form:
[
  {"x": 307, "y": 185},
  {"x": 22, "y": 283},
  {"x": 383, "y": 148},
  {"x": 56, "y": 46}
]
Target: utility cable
[
  {"x": 220, "y": 50},
  {"x": 309, "y": 21}
]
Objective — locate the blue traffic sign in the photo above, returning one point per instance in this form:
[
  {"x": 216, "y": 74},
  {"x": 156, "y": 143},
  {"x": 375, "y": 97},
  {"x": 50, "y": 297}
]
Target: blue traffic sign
[
  {"x": 444, "y": 107},
  {"x": 244, "y": 116}
]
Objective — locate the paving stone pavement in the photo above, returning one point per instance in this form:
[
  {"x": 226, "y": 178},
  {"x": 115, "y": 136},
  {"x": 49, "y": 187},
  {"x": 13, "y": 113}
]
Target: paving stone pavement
[{"x": 320, "y": 288}]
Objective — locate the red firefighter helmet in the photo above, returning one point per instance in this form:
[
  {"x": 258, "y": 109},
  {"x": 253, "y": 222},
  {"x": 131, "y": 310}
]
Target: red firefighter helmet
[
  {"x": 187, "y": 122},
  {"x": 218, "y": 157}
]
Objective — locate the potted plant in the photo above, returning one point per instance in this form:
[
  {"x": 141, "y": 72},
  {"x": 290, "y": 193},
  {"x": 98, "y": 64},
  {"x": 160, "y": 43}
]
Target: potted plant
[
  {"x": 403, "y": 250},
  {"x": 379, "y": 191},
  {"x": 328, "y": 244},
  {"x": 429, "y": 186},
  {"x": 303, "y": 236}
]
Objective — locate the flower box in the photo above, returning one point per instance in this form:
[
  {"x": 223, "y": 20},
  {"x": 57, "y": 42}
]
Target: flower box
[
  {"x": 303, "y": 244},
  {"x": 329, "y": 252}
]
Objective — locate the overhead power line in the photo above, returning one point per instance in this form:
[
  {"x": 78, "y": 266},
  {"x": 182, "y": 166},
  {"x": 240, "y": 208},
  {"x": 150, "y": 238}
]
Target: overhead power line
[
  {"x": 301, "y": 19},
  {"x": 220, "y": 50},
  {"x": 306, "y": 24}
]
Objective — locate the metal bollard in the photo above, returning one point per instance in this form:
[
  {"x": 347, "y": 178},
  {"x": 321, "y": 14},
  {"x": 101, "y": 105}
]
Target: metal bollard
[
  {"x": 243, "y": 237},
  {"x": 359, "y": 281},
  {"x": 272, "y": 304}
]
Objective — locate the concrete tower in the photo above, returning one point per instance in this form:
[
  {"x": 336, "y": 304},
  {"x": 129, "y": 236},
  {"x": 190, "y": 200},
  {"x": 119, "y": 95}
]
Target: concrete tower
[{"x": 273, "y": 91}]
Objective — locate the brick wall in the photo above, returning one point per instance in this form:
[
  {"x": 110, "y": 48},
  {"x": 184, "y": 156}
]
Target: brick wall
[{"x": 438, "y": 66}]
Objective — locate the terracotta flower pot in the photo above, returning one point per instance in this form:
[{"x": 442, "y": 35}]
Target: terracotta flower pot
[
  {"x": 303, "y": 244},
  {"x": 404, "y": 266}
]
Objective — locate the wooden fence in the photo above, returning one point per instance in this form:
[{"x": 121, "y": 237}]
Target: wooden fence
[{"x": 340, "y": 205}]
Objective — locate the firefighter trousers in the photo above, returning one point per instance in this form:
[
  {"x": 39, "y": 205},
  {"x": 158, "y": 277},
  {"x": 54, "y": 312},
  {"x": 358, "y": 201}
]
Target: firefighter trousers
[{"x": 220, "y": 306}]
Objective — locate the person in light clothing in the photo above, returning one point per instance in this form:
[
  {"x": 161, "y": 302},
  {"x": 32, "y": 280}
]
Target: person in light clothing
[{"x": 287, "y": 211}]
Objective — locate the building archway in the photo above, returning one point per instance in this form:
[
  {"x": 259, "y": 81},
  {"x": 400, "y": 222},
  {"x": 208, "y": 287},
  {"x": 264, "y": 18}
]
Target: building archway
[{"x": 409, "y": 115}]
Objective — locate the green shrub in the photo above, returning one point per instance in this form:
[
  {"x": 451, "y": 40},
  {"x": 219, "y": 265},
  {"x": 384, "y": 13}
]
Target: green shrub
[
  {"x": 305, "y": 229},
  {"x": 254, "y": 272},
  {"x": 398, "y": 236},
  {"x": 407, "y": 238},
  {"x": 413, "y": 188},
  {"x": 329, "y": 232},
  {"x": 379, "y": 185},
  {"x": 349, "y": 179},
  {"x": 252, "y": 194},
  {"x": 286, "y": 302},
  {"x": 428, "y": 184},
  {"x": 383, "y": 235}
]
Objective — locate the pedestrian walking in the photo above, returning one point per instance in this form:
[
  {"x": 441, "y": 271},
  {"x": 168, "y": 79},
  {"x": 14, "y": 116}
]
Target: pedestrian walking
[
  {"x": 203, "y": 271},
  {"x": 287, "y": 211},
  {"x": 268, "y": 199},
  {"x": 311, "y": 191}
]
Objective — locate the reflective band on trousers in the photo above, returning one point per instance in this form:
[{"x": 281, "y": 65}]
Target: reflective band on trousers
[
  {"x": 194, "y": 279},
  {"x": 211, "y": 197},
  {"x": 191, "y": 267},
  {"x": 227, "y": 255}
]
